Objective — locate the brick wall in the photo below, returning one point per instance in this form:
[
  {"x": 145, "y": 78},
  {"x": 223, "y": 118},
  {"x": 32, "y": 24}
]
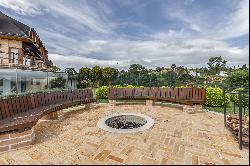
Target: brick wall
[
  {"x": 5, "y": 44},
  {"x": 15, "y": 140}
]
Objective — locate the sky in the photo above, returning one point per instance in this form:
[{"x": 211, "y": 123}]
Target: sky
[{"x": 118, "y": 33}]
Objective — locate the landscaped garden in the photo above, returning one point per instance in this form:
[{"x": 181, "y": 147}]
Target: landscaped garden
[{"x": 124, "y": 82}]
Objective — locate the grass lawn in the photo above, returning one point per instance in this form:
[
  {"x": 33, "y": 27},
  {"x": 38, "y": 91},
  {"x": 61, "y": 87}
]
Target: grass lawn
[
  {"x": 230, "y": 109},
  {"x": 102, "y": 101}
]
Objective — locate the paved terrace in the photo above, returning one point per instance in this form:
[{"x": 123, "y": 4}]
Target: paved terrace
[{"x": 175, "y": 138}]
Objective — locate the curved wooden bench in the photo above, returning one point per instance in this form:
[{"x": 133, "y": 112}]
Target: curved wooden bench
[
  {"x": 19, "y": 113},
  {"x": 187, "y": 96}
]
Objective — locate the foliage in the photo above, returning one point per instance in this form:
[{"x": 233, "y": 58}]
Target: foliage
[
  {"x": 102, "y": 92},
  {"x": 108, "y": 75},
  {"x": 72, "y": 74},
  {"x": 214, "y": 97},
  {"x": 55, "y": 68},
  {"x": 58, "y": 82},
  {"x": 133, "y": 86},
  {"x": 96, "y": 76},
  {"x": 235, "y": 98},
  {"x": 216, "y": 64},
  {"x": 117, "y": 86},
  {"x": 84, "y": 77},
  {"x": 160, "y": 76},
  {"x": 238, "y": 78},
  {"x": 33, "y": 92}
]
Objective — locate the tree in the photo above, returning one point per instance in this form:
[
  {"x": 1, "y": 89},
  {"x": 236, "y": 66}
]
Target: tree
[
  {"x": 96, "y": 76},
  {"x": 58, "y": 82},
  {"x": 72, "y": 74},
  {"x": 136, "y": 72},
  {"x": 169, "y": 79},
  {"x": 238, "y": 78},
  {"x": 84, "y": 77},
  {"x": 123, "y": 78},
  {"x": 216, "y": 64},
  {"x": 109, "y": 75},
  {"x": 173, "y": 66}
]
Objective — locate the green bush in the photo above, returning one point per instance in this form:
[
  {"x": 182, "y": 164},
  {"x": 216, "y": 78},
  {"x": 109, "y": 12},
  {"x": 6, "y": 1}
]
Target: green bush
[
  {"x": 102, "y": 92},
  {"x": 117, "y": 86},
  {"x": 235, "y": 98},
  {"x": 214, "y": 97},
  {"x": 133, "y": 86},
  {"x": 238, "y": 78}
]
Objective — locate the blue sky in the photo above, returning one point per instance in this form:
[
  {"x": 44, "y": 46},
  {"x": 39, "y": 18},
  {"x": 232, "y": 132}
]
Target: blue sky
[{"x": 153, "y": 33}]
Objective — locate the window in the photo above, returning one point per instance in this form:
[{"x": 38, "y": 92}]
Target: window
[
  {"x": 1, "y": 86},
  {"x": 14, "y": 55},
  {"x": 13, "y": 86}
]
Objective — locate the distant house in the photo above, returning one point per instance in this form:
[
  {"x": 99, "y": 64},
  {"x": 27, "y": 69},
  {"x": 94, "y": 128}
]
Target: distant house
[
  {"x": 21, "y": 48},
  {"x": 214, "y": 79},
  {"x": 223, "y": 73}
]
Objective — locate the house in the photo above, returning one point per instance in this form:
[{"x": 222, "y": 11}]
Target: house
[
  {"x": 24, "y": 63},
  {"x": 20, "y": 45}
]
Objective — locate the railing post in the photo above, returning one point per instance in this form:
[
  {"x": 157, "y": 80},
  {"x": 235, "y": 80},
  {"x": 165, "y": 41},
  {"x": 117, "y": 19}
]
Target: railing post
[
  {"x": 225, "y": 108},
  {"x": 240, "y": 120}
]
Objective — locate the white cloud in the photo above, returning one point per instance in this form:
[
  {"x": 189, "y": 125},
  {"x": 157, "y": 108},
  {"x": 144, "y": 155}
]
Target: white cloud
[
  {"x": 77, "y": 62},
  {"x": 23, "y": 7},
  {"x": 83, "y": 14},
  {"x": 238, "y": 24},
  {"x": 153, "y": 53},
  {"x": 83, "y": 34},
  {"x": 208, "y": 23}
]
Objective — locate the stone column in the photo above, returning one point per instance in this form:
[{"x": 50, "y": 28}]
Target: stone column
[
  {"x": 150, "y": 102},
  {"x": 15, "y": 140}
]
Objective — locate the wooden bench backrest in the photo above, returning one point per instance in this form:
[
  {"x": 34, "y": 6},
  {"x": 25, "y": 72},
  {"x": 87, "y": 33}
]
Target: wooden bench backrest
[
  {"x": 157, "y": 93},
  {"x": 19, "y": 104}
]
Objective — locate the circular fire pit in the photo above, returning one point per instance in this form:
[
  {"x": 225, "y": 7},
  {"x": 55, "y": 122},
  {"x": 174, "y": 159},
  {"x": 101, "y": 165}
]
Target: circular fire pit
[{"x": 125, "y": 122}]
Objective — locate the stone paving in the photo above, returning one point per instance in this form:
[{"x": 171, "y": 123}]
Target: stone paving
[{"x": 175, "y": 138}]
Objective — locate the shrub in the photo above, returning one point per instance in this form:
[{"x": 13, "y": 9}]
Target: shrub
[
  {"x": 214, "y": 97},
  {"x": 235, "y": 98},
  {"x": 117, "y": 86},
  {"x": 238, "y": 78},
  {"x": 129, "y": 86},
  {"x": 102, "y": 92},
  {"x": 133, "y": 86}
]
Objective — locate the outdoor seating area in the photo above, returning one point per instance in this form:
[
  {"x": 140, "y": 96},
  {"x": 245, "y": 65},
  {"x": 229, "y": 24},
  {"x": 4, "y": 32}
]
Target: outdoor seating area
[
  {"x": 175, "y": 138},
  {"x": 18, "y": 115},
  {"x": 190, "y": 98},
  {"x": 120, "y": 82}
]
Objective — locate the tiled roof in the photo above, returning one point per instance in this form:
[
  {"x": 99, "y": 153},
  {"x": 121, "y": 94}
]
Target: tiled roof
[{"x": 12, "y": 27}]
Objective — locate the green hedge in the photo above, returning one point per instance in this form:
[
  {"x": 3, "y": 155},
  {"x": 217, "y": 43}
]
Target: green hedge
[{"x": 214, "y": 97}]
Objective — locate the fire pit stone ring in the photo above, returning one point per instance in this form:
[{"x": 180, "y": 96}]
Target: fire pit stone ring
[{"x": 125, "y": 122}]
